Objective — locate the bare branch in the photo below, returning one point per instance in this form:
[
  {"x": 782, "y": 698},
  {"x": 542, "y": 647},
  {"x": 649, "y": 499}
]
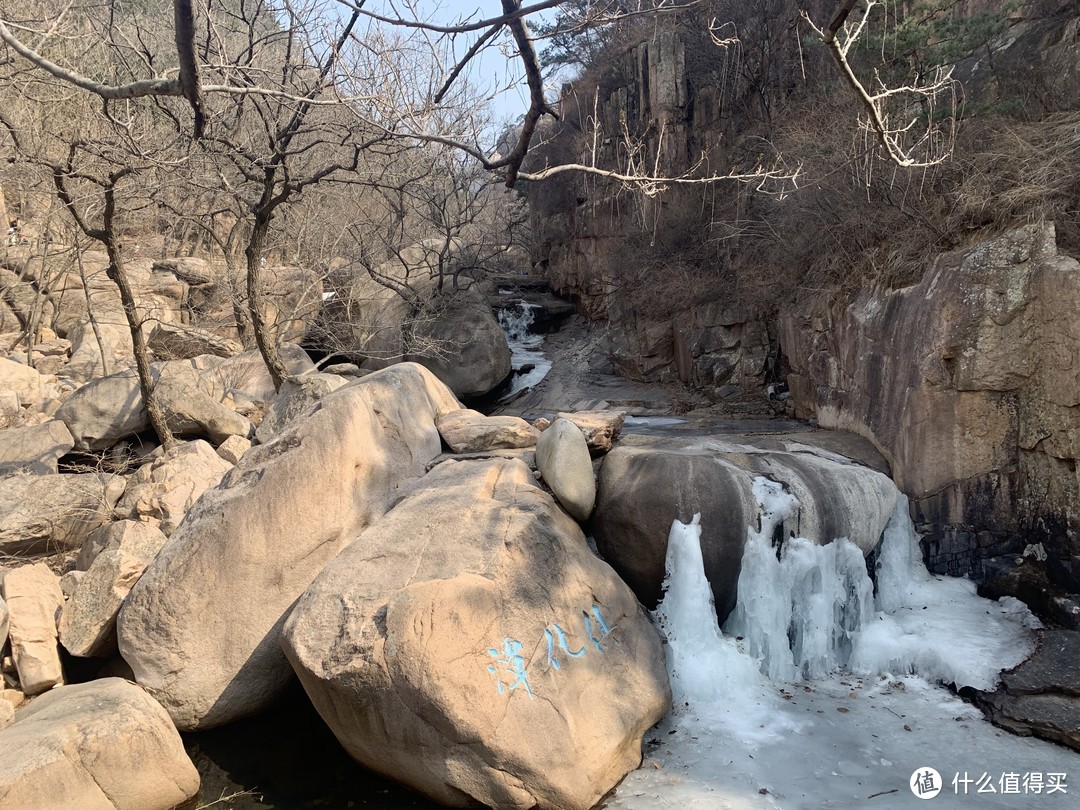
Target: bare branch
[
  {"x": 888, "y": 135},
  {"x": 138, "y": 89}
]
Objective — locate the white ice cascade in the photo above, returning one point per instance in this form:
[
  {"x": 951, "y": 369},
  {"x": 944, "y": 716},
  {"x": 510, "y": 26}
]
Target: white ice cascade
[
  {"x": 714, "y": 685},
  {"x": 806, "y": 610},
  {"x": 798, "y": 611}
]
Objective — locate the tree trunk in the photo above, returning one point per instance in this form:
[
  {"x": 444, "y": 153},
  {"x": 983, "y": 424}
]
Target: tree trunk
[
  {"x": 118, "y": 274},
  {"x": 264, "y": 339}
]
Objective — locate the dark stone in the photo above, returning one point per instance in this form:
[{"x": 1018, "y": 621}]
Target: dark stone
[
  {"x": 1054, "y": 668},
  {"x": 1041, "y": 697}
]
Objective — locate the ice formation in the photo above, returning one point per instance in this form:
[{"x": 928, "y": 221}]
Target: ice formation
[
  {"x": 805, "y": 610},
  {"x": 835, "y": 738},
  {"x": 711, "y": 679}
]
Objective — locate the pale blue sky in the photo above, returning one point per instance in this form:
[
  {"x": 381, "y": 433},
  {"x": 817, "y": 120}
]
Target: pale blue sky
[{"x": 492, "y": 69}]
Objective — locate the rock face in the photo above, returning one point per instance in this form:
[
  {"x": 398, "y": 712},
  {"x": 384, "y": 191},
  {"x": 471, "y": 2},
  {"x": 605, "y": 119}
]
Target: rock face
[
  {"x": 969, "y": 383},
  {"x": 468, "y": 431},
  {"x": 470, "y": 645},
  {"x": 166, "y": 488},
  {"x": 35, "y": 448},
  {"x": 88, "y": 623},
  {"x": 45, "y": 513},
  {"x": 200, "y": 629},
  {"x": 646, "y": 483},
  {"x": 34, "y": 599},
  {"x": 562, "y": 456},
  {"x": 103, "y": 745},
  {"x": 294, "y": 398}
]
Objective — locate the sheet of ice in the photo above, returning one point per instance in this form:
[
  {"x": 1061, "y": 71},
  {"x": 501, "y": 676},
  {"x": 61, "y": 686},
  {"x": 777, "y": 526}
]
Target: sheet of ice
[
  {"x": 937, "y": 627},
  {"x": 859, "y": 742},
  {"x": 645, "y": 422},
  {"x": 525, "y": 348}
]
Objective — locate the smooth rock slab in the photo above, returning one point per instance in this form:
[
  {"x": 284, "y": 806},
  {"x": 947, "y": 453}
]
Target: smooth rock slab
[
  {"x": 88, "y": 624},
  {"x": 562, "y": 456},
  {"x": 200, "y": 629},
  {"x": 34, "y": 600},
  {"x": 103, "y": 745},
  {"x": 468, "y": 431},
  {"x": 471, "y": 646}
]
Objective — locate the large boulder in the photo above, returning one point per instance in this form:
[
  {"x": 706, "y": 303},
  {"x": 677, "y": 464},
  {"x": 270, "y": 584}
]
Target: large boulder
[
  {"x": 34, "y": 600},
  {"x": 103, "y": 745},
  {"x": 470, "y": 645},
  {"x": 969, "y": 383},
  {"x": 562, "y": 456},
  {"x": 461, "y": 341},
  {"x": 93, "y": 352},
  {"x": 88, "y": 623},
  {"x": 200, "y": 629},
  {"x": 167, "y": 487},
  {"x": 399, "y": 311},
  {"x": 106, "y": 410},
  {"x": 247, "y": 372},
  {"x": 647, "y": 482},
  {"x": 601, "y": 428},
  {"x": 34, "y": 448},
  {"x": 23, "y": 380},
  {"x": 179, "y": 342},
  {"x": 469, "y": 431},
  {"x": 48, "y": 513}
]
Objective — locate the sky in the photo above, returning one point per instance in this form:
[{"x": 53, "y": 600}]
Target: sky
[{"x": 492, "y": 69}]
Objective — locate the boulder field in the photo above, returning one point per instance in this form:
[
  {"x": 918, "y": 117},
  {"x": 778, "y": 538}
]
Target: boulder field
[{"x": 200, "y": 629}]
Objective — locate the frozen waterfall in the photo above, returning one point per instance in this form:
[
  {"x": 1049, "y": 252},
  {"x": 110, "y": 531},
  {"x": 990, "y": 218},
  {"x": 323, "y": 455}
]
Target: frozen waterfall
[
  {"x": 820, "y": 692},
  {"x": 806, "y": 610}
]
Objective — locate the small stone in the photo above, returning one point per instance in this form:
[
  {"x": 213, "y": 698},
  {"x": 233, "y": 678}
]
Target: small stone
[
  {"x": 70, "y": 581},
  {"x": 233, "y": 449}
]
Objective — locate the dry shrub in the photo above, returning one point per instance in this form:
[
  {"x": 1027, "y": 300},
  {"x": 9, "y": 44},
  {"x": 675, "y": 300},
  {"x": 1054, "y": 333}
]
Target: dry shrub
[{"x": 1021, "y": 172}]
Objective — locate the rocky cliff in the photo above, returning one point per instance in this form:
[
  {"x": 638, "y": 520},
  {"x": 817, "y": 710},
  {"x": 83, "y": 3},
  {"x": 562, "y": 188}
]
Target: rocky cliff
[
  {"x": 962, "y": 369},
  {"x": 969, "y": 384}
]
